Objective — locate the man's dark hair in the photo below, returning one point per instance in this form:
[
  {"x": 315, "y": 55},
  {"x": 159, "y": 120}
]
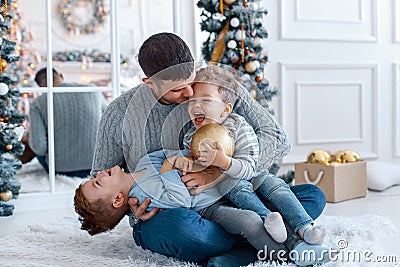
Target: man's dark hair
[
  {"x": 162, "y": 51},
  {"x": 41, "y": 77}
]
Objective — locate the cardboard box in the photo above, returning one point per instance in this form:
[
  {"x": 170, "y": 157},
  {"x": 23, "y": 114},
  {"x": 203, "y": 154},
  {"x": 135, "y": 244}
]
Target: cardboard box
[{"x": 338, "y": 181}]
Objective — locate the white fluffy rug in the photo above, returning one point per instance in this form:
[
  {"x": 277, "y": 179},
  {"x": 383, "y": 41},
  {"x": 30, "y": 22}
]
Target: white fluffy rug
[
  {"x": 34, "y": 178},
  {"x": 64, "y": 244}
]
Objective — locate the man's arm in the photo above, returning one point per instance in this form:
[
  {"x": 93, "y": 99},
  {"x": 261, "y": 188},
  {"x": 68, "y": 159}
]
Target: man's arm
[
  {"x": 38, "y": 130},
  {"x": 108, "y": 150},
  {"x": 273, "y": 142}
]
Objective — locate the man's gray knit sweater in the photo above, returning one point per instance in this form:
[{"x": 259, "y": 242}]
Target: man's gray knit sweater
[
  {"x": 76, "y": 117},
  {"x": 135, "y": 124}
]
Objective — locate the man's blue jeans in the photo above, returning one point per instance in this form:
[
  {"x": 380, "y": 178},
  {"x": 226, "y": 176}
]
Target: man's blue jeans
[{"x": 183, "y": 234}]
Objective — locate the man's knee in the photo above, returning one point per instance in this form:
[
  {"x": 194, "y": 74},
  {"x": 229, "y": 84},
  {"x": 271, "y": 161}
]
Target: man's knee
[
  {"x": 311, "y": 197},
  {"x": 319, "y": 198}
]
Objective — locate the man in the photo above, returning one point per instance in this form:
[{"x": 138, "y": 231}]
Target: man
[
  {"x": 148, "y": 118},
  {"x": 76, "y": 117}
]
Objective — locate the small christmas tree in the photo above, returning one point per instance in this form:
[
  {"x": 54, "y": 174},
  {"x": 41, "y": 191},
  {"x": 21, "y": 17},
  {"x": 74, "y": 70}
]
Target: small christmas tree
[
  {"x": 11, "y": 129},
  {"x": 235, "y": 38}
]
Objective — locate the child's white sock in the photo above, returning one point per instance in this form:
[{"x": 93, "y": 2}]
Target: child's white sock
[
  {"x": 312, "y": 234},
  {"x": 275, "y": 227}
]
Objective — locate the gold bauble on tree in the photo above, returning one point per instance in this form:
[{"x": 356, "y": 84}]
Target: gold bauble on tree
[
  {"x": 209, "y": 134},
  {"x": 250, "y": 67},
  {"x": 3, "y": 64},
  {"x": 9, "y": 147},
  {"x": 6, "y": 195},
  {"x": 345, "y": 156},
  {"x": 319, "y": 156}
]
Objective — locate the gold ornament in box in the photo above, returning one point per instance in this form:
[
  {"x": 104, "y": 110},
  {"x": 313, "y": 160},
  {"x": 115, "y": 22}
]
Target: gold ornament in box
[
  {"x": 6, "y": 195},
  {"x": 209, "y": 134},
  {"x": 319, "y": 156},
  {"x": 345, "y": 156}
]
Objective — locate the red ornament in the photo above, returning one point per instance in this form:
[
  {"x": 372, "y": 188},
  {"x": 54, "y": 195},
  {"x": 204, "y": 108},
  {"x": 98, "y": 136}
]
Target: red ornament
[{"x": 5, "y": 119}]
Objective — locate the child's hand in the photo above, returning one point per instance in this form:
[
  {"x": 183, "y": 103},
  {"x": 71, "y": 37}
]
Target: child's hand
[
  {"x": 214, "y": 156},
  {"x": 184, "y": 164}
]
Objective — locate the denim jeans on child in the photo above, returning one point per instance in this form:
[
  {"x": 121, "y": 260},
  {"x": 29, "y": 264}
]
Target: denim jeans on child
[
  {"x": 269, "y": 188},
  {"x": 311, "y": 198}
]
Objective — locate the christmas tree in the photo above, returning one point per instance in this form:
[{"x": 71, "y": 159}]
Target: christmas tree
[
  {"x": 25, "y": 68},
  {"x": 11, "y": 129},
  {"x": 236, "y": 34}
]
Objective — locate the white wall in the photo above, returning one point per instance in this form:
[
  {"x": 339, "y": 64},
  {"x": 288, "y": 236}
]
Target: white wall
[{"x": 337, "y": 66}]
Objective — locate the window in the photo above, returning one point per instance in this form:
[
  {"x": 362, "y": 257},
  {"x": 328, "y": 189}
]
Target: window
[{"x": 104, "y": 60}]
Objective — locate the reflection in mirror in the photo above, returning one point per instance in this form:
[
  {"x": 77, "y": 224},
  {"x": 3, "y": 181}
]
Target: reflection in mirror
[
  {"x": 81, "y": 51},
  {"x": 81, "y": 44},
  {"x": 76, "y": 117}
]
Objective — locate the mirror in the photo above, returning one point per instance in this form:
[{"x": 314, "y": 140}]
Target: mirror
[{"x": 81, "y": 50}]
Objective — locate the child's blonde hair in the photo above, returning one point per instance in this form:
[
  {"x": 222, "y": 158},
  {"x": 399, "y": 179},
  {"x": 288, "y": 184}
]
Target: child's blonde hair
[{"x": 223, "y": 78}]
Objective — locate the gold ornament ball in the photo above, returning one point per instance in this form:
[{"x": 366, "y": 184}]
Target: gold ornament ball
[
  {"x": 229, "y": 2},
  {"x": 209, "y": 134},
  {"x": 6, "y": 195},
  {"x": 319, "y": 156},
  {"x": 3, "y": 64},
  {"x": 346, "y": 156},
  {"x": 250, "y": 67},
  {"x": 8, "y": 147}
]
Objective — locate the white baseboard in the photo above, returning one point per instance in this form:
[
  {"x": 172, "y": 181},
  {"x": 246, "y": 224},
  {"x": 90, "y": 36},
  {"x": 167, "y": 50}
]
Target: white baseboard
[{"x": 42, "y": 201}]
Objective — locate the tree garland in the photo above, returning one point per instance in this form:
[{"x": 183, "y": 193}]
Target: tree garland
[{"x": 87, "y": 23}]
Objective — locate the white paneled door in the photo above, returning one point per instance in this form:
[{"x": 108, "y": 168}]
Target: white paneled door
[{"x": 336, "y": 64}]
